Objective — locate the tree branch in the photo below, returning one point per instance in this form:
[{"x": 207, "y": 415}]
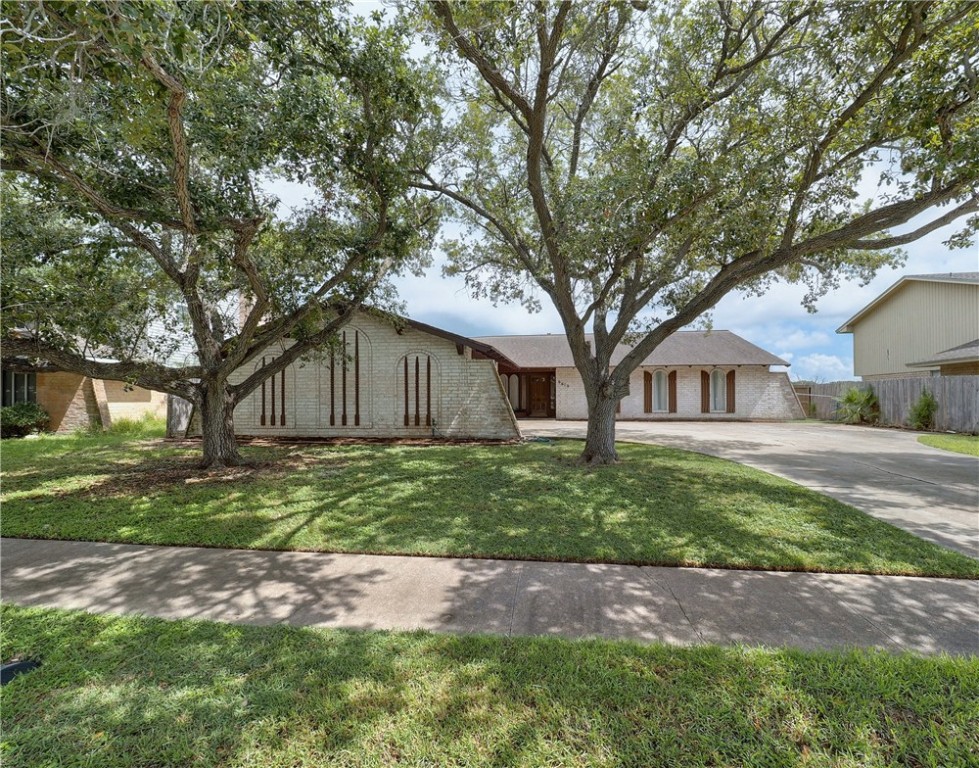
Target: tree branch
[
  {"x": 181, "y": 155},
  {"x": 148, "y": 375}
]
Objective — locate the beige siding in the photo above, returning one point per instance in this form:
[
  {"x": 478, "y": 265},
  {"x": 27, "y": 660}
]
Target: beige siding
[{"x": 918, "y": 321}]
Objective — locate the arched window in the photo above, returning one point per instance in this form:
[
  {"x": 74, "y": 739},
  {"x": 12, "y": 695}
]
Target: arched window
[{"x": 718, "y": 391}]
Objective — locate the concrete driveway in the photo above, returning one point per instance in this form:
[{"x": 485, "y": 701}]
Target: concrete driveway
[{"x": 886, "y": 473}]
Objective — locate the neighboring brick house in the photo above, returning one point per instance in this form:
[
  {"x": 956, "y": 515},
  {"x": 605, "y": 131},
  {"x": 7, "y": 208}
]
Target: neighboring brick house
[
  {"x": 79, "y": 402},
  {"x": 691, "y": 375},
  {"x": 396, "y": 379},
  {"x": 921, "y": 326}
]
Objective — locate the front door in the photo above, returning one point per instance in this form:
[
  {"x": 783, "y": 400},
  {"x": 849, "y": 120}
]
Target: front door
[{"x": 539, "y": 386}]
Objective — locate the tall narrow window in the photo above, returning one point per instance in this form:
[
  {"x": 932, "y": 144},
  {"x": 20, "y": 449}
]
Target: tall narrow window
[
  {"x": 660, "y": 399},
  {"x": 513, "y": 391},
  {"x": 718, "y": 391}
]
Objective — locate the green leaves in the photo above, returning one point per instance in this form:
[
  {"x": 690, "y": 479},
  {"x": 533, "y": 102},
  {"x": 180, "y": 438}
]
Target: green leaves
[
  {"x": 149, "y": 132},
  {"x": 678, "y": 141}
]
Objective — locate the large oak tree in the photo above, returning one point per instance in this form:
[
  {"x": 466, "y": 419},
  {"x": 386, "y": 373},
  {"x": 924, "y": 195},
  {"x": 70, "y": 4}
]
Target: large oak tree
[
  {"x": 138, "y": 140},
  {"x": 635, "y": 162}
]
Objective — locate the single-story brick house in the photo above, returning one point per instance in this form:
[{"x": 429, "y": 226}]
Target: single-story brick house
[
  {"x": 75, "y": 402},
  {"x": 691, "y": 375},
  {"x": 397, "y": 379},
  {"x": 401, "y": 378}
]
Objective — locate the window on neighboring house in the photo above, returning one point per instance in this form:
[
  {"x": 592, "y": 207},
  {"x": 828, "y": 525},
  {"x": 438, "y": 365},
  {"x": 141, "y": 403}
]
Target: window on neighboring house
[{"x": 19, "y": 387}]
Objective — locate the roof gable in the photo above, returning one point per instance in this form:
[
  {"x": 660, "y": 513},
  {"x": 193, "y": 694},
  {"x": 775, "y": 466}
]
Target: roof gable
[{"x": 962, "y": 278}]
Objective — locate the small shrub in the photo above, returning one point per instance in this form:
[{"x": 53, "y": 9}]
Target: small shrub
[
  {"x": 147, "y": 425},
  {"x": 859, "y": 406},
  {"x": 21, "y": 419},
  {"x": 922, "y": 415}
]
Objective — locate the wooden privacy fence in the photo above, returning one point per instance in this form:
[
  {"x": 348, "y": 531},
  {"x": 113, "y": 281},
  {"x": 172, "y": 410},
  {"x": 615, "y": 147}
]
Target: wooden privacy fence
[{"x": 957, "y": 396}]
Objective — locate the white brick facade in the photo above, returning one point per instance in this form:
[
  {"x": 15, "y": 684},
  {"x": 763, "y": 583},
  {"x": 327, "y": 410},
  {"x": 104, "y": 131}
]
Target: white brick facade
[
  {"x": 759, "y": 394},
  {"x": 460, "y": 396}
]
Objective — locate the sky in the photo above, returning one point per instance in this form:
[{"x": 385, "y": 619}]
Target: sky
[{"x": 776, "y": 321}]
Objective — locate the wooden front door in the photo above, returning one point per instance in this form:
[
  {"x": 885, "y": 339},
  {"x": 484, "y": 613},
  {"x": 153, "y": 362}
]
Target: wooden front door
[{"x": 539, "y": 386}]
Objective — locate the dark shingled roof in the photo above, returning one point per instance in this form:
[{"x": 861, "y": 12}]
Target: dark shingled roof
[
  {"x": 682, "y": 348},
  {"x": 964, "y": 353}
]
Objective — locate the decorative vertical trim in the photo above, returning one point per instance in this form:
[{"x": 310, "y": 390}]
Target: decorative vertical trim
[
  {"x": 730, "y": 392},
  {"x": 671, "y": 390},
  {"x": 428, "y": 391},
  {"x": 262, "y": 419},
  {"x": 356, "y": 378},
  {"x": 272, "y": 419},
  {"x": 418, "y": 420},
  {"x": 333, "y": 387},
  {"x": 282, "y": 417},
  {"x": 406, "y": 390},
  {"x": 343, "y": 383},
  {"x": 704, "y": 392},
  {"x": 647, "y": 392}
]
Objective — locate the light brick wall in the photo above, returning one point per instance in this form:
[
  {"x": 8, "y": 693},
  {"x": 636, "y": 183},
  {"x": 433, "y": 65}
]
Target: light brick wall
[
  {"x": 467, "y": 399},
  {"x": 135, "y": 403},
  {"x": 759, "y": 394}
]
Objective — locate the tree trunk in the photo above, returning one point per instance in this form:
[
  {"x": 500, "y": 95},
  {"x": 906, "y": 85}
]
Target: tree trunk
[
  {"x": 600, "y": 440},
  {"x": 218, "y": 427}
]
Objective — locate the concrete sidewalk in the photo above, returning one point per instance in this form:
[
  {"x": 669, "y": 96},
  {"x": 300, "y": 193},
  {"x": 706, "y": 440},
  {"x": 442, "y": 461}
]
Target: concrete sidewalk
[{"x": 684, "y": 606}]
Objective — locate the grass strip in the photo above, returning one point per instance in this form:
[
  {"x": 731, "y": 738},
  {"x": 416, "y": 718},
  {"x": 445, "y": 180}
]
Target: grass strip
[
  {"x": 660, "y": 506},
  {"x": 967, "y": 444},
  {"x": 146, "y": 692}
]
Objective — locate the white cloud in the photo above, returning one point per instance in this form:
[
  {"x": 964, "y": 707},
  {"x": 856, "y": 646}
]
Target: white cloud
[{"x": 820, "y": 367}]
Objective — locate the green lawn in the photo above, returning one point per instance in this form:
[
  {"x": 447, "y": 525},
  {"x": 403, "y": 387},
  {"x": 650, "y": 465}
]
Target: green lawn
[
  {"x": 146, "y": 692},
  {"x": 967, "y": 444},
  {"x": 659, "y": 506}
]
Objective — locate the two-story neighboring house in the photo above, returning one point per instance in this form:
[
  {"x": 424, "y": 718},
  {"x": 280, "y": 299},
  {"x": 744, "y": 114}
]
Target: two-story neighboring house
[{"x": 920, "y": 326}]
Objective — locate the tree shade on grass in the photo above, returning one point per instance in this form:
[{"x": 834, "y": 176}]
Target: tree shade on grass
[
  {"x": 967, "y": 444},
  {"x": 147, "y": 692},
  {"x": 530, "y": 501}
]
